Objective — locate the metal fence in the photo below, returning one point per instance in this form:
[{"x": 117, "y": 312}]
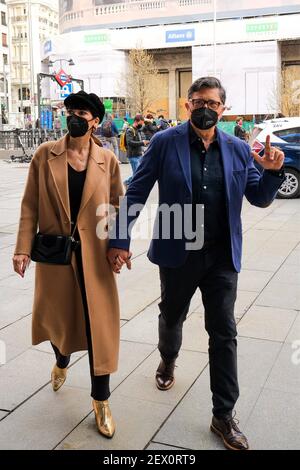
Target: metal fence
[{"x": 28, "y": 139}]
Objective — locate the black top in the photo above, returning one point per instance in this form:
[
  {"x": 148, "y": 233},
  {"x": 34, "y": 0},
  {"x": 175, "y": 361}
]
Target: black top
[
  {"x": 208, "y": 188},
  {"x": 76, "y": 181},
  {"x": 134, "y": 142},
  {"x": 240, "y": 132}
]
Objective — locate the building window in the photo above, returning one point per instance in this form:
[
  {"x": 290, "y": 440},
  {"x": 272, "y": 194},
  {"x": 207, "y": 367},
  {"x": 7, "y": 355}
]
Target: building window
[
  {"x": 4, "y": 40},
  {"x": 5, "y": 59},
  {"x": 25, "y": 93},
  {"x": 3, "y": 19}
]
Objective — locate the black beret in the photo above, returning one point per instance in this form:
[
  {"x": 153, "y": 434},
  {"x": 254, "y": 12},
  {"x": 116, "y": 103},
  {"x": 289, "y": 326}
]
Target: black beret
[{"x": 88, "y": 101}]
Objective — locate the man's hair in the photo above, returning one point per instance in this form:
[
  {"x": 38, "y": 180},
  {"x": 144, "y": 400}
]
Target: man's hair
[
  {"x": 239, "y": 119},
  {"x": 207, "y": 82},
  {"x": 161, "y": 116},
  {"x": 139, "y": 117}
]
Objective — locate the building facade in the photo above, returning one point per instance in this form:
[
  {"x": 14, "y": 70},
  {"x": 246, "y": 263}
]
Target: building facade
[
  {"x": 4, "y": 60},
  {"x": 30, "y": 23},
  {"x": 246, "y": 43}
]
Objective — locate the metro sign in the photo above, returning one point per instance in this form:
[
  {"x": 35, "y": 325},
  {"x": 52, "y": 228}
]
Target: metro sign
[
  {"x": 62, "y": 78},
  {"x": 257, "y": 146}
]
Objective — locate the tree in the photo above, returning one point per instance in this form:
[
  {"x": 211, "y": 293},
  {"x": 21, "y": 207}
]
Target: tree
[
  {"x": 285, "y": 96},
  {"x": 140, "y": 84},
  {"x": 290, "y": 91}
]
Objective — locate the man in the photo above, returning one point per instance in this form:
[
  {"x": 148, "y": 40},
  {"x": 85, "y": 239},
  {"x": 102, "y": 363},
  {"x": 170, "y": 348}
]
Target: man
[
  {"x": 239, "y": 131},
  {"x": 110, "y": 132},
  {"x": 162, "y": 123},
  {"x": 135, "y": 145},
  {"x": 196, "y": 163},
  {"x": 150, "y": 127}
]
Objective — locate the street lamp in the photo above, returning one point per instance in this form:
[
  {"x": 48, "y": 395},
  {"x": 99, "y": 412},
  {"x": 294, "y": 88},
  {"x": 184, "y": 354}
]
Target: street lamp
[
  {"x": 5, "y": 104},
  {"x": 214, "y": 45},
  {"x": 52, "y": 62}
]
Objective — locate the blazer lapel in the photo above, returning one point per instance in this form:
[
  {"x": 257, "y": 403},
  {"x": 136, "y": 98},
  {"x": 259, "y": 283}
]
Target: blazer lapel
[
  {"x": 183, "y": 151},
  {"x": 59, "y": 170},
  {"x": 226, "y": 147},
  {"x": 94, "y": 170}
]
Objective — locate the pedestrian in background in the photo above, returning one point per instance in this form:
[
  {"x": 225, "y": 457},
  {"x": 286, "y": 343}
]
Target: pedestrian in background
[
  {"x": 110, "y": 133},
  {"x": 239, "y": 131},
  {"x": 149, "y": 128},
  {"x": 135, "y": 145}
]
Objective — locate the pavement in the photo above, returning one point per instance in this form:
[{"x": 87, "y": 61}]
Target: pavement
[{"x": 32, "y": 416}]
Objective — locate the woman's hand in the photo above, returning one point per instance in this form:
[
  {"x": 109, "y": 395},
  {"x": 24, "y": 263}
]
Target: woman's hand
[{"x": 21, "y": 263}]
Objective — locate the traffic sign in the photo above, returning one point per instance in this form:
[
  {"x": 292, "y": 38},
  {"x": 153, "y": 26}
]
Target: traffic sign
[
  {"x": 62, "y": 78},
  {"x": 66, "y": 90},
  {"x": 257, "y": 146}
]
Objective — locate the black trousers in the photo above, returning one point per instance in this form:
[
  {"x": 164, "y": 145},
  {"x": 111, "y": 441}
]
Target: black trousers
[
  {"x": 212, "y": 271},
  {"x": 99, "y": 383}
]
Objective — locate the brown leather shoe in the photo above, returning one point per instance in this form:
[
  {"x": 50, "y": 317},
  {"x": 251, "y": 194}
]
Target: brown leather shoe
[
  {"x": 164, "y": 377},
  {"x": 228, "y": 430}
]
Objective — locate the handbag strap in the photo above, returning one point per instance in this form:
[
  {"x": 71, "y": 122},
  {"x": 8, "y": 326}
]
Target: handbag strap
[{"x": 73, "y": 232}]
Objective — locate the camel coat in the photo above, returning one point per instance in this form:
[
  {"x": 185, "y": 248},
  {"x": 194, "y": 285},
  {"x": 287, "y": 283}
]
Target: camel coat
[{"x": 58, "y": 313}]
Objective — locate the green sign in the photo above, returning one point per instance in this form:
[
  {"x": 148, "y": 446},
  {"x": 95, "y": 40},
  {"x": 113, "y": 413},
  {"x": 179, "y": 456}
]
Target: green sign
[
  {"x": 108, "y": 105},
  {"x": 261, "y": 27},
  {"x": 101, "y": 38}
]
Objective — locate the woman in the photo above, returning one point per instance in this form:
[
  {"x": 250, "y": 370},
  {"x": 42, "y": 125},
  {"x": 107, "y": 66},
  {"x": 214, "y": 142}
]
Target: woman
[{"x": 75, "y": 306}]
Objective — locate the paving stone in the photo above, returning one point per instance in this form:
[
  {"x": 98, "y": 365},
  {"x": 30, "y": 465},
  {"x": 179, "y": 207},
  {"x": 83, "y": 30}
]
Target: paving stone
[
  {"x": 285, "y": 375},
  {"x": 23, "y": 376},
  {"x": 277, "y": 294},
  {"x": 274, "y": 412},
  {"x": 141, "y": 383},
  {"x": 131, "y": 355},
  {"x": 267, "y": 323},
  {"x": 128, "y": 414},
  {"x": 253, "y": 281},
  {"x": 44, "y": 420}
]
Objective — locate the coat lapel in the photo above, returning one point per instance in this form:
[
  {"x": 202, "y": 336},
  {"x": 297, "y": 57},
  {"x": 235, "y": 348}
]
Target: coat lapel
[
  {"x": 94, "y": 169},
  {"x": 183, "y": 151},
  {"x": 59, "y": 170},
  {"x": 226, "y": 147}
]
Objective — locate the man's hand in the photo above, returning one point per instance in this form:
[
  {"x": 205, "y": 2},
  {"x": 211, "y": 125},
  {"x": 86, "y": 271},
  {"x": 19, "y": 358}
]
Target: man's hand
[
  {"x": 146, "y": 142},
  {"x": 21, "y": 263},
  {"x": 272, "y": 159},
  {"x": 117, "y": 258}
]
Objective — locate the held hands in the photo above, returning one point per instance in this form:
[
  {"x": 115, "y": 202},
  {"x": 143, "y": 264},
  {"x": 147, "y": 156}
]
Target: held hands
[
  {"x": 21, "y": 263},
  {"x": 272, "y": 159},
  {"x": 117, "y": 258}
]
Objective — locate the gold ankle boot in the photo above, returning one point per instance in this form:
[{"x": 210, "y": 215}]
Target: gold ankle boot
[
  {"x": 58, "y": 377},
  {"x": 104, "y": 419}
]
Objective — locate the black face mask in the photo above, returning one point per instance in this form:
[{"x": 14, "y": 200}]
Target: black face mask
[
  {"x": 139, "y": 126},
  {"x": 204, "y": 118},
  {"x": 77, "y": 126}
]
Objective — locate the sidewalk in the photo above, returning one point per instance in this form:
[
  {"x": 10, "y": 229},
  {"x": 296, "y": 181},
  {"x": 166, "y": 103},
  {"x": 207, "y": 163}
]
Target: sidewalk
[{"x": 32, "y": 416}]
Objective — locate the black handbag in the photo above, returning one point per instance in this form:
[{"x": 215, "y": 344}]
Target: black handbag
[{"x": 53, "y": 249}]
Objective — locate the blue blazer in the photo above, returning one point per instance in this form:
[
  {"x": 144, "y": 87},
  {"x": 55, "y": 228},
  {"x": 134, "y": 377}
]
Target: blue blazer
[{"x": 167, "y": 161}]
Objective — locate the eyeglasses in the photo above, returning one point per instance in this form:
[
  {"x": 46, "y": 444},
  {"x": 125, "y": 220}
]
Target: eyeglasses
[{"x": 200, "y": 103}]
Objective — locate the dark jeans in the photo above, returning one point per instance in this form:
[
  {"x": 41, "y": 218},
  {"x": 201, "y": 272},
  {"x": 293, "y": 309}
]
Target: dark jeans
[
  {"x": 212, "y": 271},
  {"x": 134, "y": 162},
  {"x": 99, "y": 383}
]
